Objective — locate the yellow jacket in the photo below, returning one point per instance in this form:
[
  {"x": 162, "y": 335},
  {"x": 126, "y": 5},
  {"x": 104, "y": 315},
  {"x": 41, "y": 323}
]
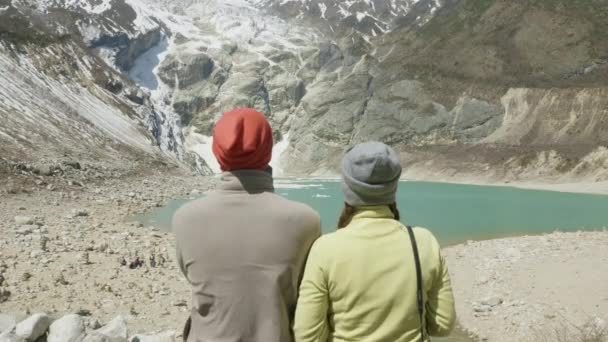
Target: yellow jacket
[{"x": 360, "y": 284}]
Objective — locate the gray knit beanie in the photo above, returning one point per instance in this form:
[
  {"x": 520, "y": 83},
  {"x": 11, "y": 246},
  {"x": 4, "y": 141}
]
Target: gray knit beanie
[{"x": 370, "y": 174}]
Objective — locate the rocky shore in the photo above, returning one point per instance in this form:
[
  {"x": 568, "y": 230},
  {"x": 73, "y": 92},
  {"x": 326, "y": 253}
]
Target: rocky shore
[
  {"x": 533, "y": 288},
  {"x": 70, "y": 248},
  {"x": 71, "y": 257},
  {"x": 73, "y": 328}
]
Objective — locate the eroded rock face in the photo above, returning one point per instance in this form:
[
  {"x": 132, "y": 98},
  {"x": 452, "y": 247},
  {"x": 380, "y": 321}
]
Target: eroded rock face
[
  {"x": 185, "y": 70},
  {"x": 330, "y": 74}
]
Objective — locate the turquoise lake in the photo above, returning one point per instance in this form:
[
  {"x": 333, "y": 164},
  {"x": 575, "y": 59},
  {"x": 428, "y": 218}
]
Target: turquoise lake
[{"x": 454, "y": 213}]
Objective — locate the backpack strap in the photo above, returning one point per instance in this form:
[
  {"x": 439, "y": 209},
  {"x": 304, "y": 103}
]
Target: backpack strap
[{"x": 419, "y": 295}]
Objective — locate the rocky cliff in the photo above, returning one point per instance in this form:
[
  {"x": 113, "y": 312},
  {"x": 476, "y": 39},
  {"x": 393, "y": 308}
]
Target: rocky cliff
[{"x": 501, "y": 90}]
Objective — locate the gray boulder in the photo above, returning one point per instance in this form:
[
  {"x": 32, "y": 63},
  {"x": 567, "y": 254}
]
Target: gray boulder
[
  {"x": 97, "y": 337},
  {"x": 24, "y": 220},
  {"x": 7, "y": 323},
  {"x": 116, "y": 328},
  {"x": 114, "y": 331},
  {"x": 10, "y": 337},
  {"x": 492, "y": 301},
  {"x": 33, "y": 327},
  {"x": 69, "y": 328},
  {"x": 44, "y": 170},
  {"x": 168, "y": 336}
]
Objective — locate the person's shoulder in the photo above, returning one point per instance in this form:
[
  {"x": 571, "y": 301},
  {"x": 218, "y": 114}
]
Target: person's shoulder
[
  {"x": 191, "y": 207},
  {"x": 425, "y": 237},
  {"x": 190, "y": 212},
  {"x": 325, "y": 244},
  {"x": 301, "y": 210},
  {"x": 333, "y": 242}
]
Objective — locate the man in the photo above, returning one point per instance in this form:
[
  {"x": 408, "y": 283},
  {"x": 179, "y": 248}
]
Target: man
[{"x": 242, "y": 247}]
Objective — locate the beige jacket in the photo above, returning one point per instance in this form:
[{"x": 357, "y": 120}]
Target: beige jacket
[{"x": 243, "y": 249}]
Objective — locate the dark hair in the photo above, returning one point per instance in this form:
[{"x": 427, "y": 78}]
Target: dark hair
[{"x": 349, "y": 212}]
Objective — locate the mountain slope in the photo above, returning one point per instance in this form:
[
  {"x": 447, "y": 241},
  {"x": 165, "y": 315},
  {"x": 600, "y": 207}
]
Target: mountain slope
[
  {"x": 369, "y": 17},
  {"x": 485, "y": 89},
  {"x": 62, "y": 94},
  {"x": 495, "y": 89}
]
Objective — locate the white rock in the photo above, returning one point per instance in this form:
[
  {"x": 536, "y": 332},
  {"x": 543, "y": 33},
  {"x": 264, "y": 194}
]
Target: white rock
[
  {"x": 7, "y": 323},
  {"x": 482, "y": 308},
  {"x": 97, "y": 337},
  {"x": 33, "y": 327},
  {"x": 492, "y": 301},
  {"x": 24, "y": 220},
  {"x": 94, "y": 324},
  {"x": 69, "y": 328},
  {"x": 9, "y": 337},
  {"x": 168, "y": 336},
  {"x": 115, "y": 329}
]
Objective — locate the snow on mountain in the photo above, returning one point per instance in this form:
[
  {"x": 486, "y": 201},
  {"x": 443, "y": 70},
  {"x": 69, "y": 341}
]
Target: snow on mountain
[
  {"x": 242, "y": 39},
  {"x": 45, "y": 113},
  {"x": 235, "y": 34},
  {"x": 371, "y": 17},
  {"x": 260, "y": 55}
]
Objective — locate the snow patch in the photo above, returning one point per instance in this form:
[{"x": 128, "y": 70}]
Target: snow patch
[
  {"x": 145, "y": 20},
  {"x": 202, "y": 145},
  {"x": 168, "y": 124},
  {"x": 323, "y": 9},
  {"x": 277, "y": 152}
]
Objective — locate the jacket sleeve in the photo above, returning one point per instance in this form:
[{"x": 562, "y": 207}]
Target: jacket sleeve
[
  {"x": 175, "y": 224},
  {"x": 311, "y": 312},
  {"x": 440, "y": 309},
  {"x": 180, "y": 259}
]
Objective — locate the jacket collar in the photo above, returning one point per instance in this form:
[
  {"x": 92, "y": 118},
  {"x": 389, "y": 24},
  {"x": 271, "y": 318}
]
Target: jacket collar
[
  {"x": 373, "y": 212},
  {"x": 373, "y": 221},
  {"x": 251, "y": 181}
]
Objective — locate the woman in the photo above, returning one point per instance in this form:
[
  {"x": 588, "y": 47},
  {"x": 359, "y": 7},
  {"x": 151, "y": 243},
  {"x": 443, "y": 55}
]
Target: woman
[{"x": 360, "y": 283}]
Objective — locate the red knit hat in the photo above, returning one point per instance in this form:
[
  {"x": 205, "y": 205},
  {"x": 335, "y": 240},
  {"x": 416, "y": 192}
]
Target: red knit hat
[{"x": 242, "y": 140}]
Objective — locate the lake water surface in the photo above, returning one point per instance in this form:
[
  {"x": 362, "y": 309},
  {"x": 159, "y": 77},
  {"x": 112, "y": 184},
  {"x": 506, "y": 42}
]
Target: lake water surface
[{"x": 454, "y": 213}]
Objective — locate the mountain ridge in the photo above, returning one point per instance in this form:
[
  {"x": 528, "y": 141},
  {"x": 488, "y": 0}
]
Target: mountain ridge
[{"x": 440, "y": 81}]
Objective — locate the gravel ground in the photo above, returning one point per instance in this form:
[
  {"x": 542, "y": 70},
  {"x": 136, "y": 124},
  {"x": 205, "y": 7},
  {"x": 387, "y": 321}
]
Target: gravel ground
[
  {"x": 526, "y": 288},
  {"x": 61, "y": 249},
  {"x": 61, "y": 252}
]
